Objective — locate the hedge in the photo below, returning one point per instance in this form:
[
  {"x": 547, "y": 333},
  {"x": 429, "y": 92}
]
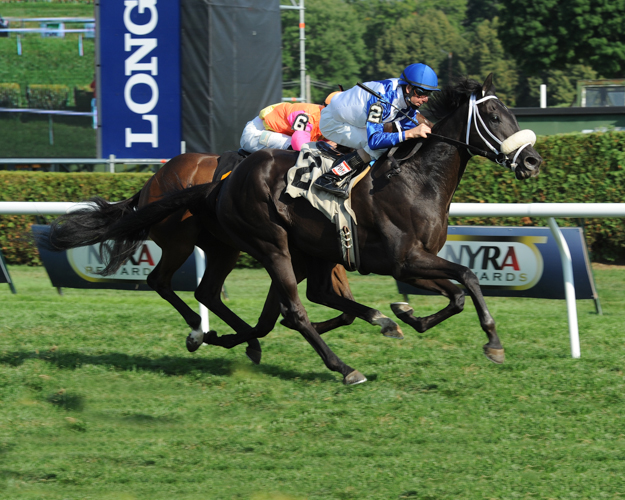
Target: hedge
[
  {"x": 583, "y": 168},
  {"x": 10, "y": 95},
  {"x": 47, "y": 96}
]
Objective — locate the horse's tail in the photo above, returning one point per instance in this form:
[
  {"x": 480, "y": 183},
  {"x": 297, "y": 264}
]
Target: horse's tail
[
  {"x": 88, "y": 226},
  {"x": 128, "y": 232}
]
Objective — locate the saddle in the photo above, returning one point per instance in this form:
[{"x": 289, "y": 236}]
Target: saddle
[
  {"x": 227, "y": 161},
  {"x": 314, "y": 160}
]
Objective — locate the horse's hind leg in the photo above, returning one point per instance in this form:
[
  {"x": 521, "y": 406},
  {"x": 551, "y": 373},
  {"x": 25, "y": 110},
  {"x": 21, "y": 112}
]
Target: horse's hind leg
[
  {"x": 221, "y": 259},
  {"x": 160, "y": 281},
  {"x": 321, "y": 289},
  {"x": 444, "y": 287}
]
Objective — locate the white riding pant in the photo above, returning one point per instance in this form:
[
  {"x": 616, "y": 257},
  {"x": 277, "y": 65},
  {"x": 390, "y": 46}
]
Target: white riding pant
[
  {"x": 345, "y": 134},
  {"x": 256, "y": 137}
]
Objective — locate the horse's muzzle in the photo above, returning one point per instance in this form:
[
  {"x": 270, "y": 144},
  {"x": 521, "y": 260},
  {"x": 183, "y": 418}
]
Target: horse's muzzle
[{"x": 529, "y": 167}]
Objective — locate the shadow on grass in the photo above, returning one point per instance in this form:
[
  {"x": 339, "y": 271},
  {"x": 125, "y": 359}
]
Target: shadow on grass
[{"x": 168, "y": 365}]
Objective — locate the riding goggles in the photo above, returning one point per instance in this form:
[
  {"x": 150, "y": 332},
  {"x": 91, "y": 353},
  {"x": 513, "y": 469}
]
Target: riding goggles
[{"x": 419, "y": 92}]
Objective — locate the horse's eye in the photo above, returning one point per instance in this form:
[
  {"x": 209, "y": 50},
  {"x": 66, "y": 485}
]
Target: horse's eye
[{"x": 495, "y": 119}]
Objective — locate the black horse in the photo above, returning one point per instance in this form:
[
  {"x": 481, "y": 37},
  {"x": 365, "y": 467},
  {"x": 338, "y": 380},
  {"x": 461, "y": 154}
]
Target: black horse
[{"x": 402, "y": 219}]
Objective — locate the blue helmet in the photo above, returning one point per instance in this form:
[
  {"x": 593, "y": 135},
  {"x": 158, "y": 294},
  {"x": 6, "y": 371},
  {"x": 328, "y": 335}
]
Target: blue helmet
[{"x": 419, "y": 75}]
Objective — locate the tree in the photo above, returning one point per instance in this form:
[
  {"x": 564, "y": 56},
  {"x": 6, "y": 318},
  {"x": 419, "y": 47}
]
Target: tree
[
  {"x": 550, "y": 34},
  {"x": 561, "y": 85},
  {"x": 486, "y": 55},
  {"x": 426, "y": 37},
  {"x": 335, "y": 50},
  {"x": 480, "y": 10}
]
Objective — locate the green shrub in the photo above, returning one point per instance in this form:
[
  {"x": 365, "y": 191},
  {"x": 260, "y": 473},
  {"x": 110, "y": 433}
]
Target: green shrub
[
  {"x": 16, "y": 241},
  {"x": 577, "y": 168},
  {"x": 10, "y": 95},
  {"x": 47, "y": 96}
]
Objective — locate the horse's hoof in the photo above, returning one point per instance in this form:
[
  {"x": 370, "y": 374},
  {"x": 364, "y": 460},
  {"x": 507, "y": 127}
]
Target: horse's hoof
[
  {"x": 195, "y": 340},
  {"x": 401, "y": 308},
  {"x": 387, "y": 326},
  {"x": 354, "y": 378},
  {"x": 393, "y": 332},
  {"x": 497, "y": 356},
  {"x": 254, "y": 355}
]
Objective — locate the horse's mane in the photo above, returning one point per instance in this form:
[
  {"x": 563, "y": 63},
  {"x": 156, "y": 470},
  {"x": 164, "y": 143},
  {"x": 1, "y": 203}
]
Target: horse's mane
[{"x": 440, "y": 104}]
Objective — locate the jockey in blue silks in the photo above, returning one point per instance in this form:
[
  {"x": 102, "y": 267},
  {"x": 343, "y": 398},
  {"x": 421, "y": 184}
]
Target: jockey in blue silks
[{"x": 355, "y": 118}]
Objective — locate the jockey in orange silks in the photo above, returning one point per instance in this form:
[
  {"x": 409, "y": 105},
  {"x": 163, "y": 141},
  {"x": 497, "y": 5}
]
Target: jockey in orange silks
[{"x": 283, "y": 125}]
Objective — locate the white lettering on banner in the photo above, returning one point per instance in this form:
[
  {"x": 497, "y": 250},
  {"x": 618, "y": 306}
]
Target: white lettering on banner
[
  {"x": 152, "y": 137},
  {"x": 133, "y": 64},
  {"x": 507, "y": 262},
  {"x": 146, "y": 45},
  {"x": 140, "y": 29},
  {"x": 87, "y": 263},
  {"x": 138, "y": 79}
]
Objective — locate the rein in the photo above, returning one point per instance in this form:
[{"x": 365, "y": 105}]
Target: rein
[{"x": 498, "y": 156}]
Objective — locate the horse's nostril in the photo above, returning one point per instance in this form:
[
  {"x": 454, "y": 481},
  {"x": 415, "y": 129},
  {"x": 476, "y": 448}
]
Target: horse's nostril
[{"x": 531, "y": 162}]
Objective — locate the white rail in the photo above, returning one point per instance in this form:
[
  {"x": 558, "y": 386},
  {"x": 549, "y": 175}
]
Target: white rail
[{"x": 546, "y": 210}]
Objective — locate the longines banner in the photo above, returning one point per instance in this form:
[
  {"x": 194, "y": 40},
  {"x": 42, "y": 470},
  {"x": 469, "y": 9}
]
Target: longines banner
[
  {"x": 79, "y": 267},
  {"x": 517, "y": 262},
  {"x": 138, "y": 78}
]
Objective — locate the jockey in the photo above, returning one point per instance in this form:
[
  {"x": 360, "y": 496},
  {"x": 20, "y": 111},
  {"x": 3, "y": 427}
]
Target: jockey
[
  {"x": 356, "y": 119},
  {"x": 282, "y": 125}
]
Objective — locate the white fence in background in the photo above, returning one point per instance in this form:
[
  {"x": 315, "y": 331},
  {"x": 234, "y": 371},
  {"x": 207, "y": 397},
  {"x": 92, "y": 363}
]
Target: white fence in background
[{"x": 544, "y": 210}]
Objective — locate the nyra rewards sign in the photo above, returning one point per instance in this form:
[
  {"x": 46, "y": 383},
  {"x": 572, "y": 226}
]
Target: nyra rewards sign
[
  {"x": 81, "y": 267},
  {"x": 517, "y": 261},
  {"x": 87, "y": 262},
  {"x": 511, "y": 262}
]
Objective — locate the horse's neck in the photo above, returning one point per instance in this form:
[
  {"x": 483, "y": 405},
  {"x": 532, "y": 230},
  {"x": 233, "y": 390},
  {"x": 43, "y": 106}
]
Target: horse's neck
[{"x": 440, "y": 163}]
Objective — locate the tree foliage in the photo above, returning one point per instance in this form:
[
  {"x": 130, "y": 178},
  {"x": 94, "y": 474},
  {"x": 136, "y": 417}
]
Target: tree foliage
[
  {"x": 335, "y": 48},
  {"x": 426, "y": 37},
  {"x": 524, "y": 44},
  {"x": 545, "y": 35}
]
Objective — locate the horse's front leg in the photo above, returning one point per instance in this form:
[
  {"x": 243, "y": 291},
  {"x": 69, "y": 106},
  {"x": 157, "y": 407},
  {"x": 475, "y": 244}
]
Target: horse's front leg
[{"x": 426, "y": 266}]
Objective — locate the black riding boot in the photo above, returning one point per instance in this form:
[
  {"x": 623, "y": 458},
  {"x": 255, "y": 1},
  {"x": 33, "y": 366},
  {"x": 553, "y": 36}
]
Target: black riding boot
[{"x": 336, "y": 180}]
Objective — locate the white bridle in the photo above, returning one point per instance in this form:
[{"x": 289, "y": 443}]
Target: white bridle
[{"x": 517, "y": 141}]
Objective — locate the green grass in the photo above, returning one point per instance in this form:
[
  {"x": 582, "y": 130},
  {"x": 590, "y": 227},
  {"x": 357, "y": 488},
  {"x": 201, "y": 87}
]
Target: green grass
[
  {"x": 44, "y": 8},
  {"x": 47, "y": 61},
  {"x": 99, "y": 399},
  {"x": 28, "y": 136}
]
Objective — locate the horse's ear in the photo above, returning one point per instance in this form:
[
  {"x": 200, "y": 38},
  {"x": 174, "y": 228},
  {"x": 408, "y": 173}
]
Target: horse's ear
[{"x": 488, "y": 87}]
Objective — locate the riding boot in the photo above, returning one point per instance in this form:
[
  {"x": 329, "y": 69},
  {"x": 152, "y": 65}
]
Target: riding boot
[{"x": 336, "y": 180}]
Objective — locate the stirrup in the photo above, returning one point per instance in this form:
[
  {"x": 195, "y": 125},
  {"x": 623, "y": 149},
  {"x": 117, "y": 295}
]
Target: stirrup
[{"x": 330, "y": 187}]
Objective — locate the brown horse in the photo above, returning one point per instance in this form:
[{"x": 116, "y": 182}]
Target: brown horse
[
  {"x": 177, "y": 235},
  {"x": 402, "y": 219}
]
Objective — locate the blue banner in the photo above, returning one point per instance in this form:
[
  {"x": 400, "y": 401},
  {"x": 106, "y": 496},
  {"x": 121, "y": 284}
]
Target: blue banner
[
  {"x": 80, "y": 267},
  {"x": 517, "y": 261},
  {"x": 139, "y": 78}
]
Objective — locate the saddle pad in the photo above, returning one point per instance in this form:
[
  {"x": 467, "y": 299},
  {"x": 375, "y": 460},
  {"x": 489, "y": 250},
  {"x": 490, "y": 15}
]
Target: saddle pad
[{"x": 300, "y": 179}]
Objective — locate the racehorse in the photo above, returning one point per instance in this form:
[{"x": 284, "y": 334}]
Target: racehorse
[
  {"x": 177, "y": 235},
  {"x": 402, "y": 217}
]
